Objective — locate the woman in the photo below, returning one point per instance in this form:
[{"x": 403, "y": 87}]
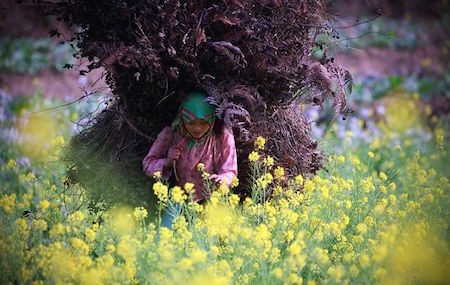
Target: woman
[{"x": 193, "y": 138}]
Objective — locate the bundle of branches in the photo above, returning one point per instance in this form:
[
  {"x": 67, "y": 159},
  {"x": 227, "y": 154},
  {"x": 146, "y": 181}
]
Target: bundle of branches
[{"x": 251, "y": 57}]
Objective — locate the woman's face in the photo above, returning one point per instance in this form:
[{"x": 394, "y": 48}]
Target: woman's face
[{"x": 197, "y": 128}]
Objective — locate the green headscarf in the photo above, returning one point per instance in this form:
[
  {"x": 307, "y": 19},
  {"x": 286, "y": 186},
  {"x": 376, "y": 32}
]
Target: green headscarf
[{"x": 194, "y": 107}]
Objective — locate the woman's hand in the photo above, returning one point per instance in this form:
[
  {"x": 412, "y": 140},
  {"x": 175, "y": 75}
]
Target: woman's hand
[
  {"x": 216, "y": 178},
  {"x": 174, "y": 153}
]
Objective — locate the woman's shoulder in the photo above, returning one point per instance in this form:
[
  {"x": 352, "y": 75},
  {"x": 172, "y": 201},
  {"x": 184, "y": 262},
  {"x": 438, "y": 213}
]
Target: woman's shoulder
[
  {"x": 167, "y": 129},
  {"x": 224, "y": 133},
  {"x": 166, "y": 132}
]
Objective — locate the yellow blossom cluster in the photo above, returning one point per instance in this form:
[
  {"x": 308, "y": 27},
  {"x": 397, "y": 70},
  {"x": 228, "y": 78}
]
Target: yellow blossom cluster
[
  {"x": 161, "y": 191},
  {"x": 378, "y": 215}
]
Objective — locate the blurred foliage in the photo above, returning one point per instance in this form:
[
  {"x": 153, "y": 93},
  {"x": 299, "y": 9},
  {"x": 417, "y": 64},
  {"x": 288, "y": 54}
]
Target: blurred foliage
[
  {"x": 404, "y": 33},
  {"x": 368, "y": 89},
  {"x": 27, "y": 55}
]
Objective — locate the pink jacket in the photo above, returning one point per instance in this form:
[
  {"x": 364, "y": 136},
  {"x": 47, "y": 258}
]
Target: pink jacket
[{"x": 218, "y": 154}]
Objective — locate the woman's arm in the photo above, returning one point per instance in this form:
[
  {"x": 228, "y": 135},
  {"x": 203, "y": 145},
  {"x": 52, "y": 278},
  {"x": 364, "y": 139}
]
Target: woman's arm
[
  {"x": 227, "y": 165},
  {"x": 156, "y": 159}
]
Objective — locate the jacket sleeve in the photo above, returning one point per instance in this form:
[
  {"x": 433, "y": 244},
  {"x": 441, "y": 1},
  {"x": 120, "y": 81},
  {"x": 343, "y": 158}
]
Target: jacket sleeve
[
  {"x": 227, "y": 165},
  {"x": 154, "y": 160}
]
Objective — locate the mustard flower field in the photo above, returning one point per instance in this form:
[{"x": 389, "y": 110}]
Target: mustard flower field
[{"x": 377, "y": 214}]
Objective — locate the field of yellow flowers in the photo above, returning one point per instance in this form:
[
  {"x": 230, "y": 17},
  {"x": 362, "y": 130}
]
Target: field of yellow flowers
[{"x": 378, "y": 213}]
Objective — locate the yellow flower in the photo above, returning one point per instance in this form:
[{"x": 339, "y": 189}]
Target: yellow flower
[
  {"x": 189, "y": 187},
  {"x": 22, "y": 226},
  {"x": 110, "y": 248},
  {"x": 185, "y": 264},
  {"x": 353, "y": 270},
  {"x": 234, "y": 199},
  {"x": 383, "y": 176},
  {"x": 223, "y": 190},
  {"x": 380, "y": 253},
  {"x": 355, "y": 160},
  {"x": 277, "y": 272},
  {"x": 260, "y": 142},
  {"x": 178, "y": 195},
  {"x": 299, "y": 180},
  {"x": 140, "y": 213},
  {"x": 85, "y": 261},
  {"x": 238, "y": 262},
  {"x": 234, "y": 182},
  {"x": 288, "y": 235},
  {"x": 380, "y": 273},
  {"x": 333, "y": 227},
  {"x": 370, "y": 154},
  {"x": 157, "y": 175},
  {"x": 77, "y": 217},
  {"x": 44, "y": 204},
  {"x": 348, "y": 204},
  {"x": 268, "y": 161},
  {"x": 253, "y": 156},
  {"x": 340, "y": 159},
  {"x": 348, "y": 257},
  {"x": 11, "y": 164},
  {"x": 392, "y": 186},
  {"x": 80, "y": 245},
  {"x": 8, "y": 202},
  {"x": 357, "y": 239},
  {"x": 367, "y": 184},
  {"x": 439, "y": 133},
  {"x": 196, "y": 206},
  {"x": 369, "y": 221},
  {"x": 345, "y": 220},
  {"x": 161, "y": 191},
  {"x": 58, "y": 141},
  {"x": 214, "y": 250},
  {"x": 56, "y": 230},
  {"x": 30, "y": 176},
  {"x": 264, "y": 180},
  {"x": 364, "y": 260},
  {"x": 268, "y": 177},
  {"x": 279, "y": 173},
  {"x": 40, "y": 225},
  {"x": 380, "y": 207},
  {"x": 309, "y": 186},
  {"x": 127, "y": 249},
  {"x": 392, "y": 198},
  {"x": 198, "y": 256},
  {"x": 89, "y": 234},
  {"x": 321, "y": 255},
  {"x": 361, "y": 228},
  {"x": 201, "y": 167},
  {"x": 336, "y": 273},
  {"x": 93, "y": 276},
  {"x": 277, "y": 190},
  {"x": 295, "y": 279}
]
